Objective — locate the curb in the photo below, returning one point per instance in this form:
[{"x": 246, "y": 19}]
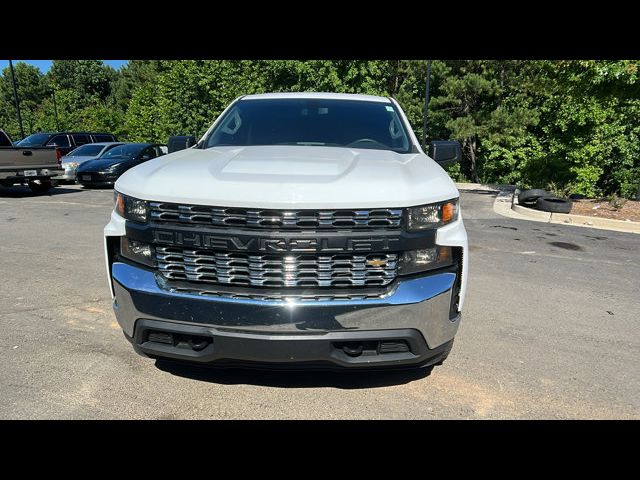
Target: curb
[
  {"x": 580, "y": 220},
  {"x": 530, "y": 212},
  {"x": 576, "y": 220},
  {"x": 506, "y": 205}
]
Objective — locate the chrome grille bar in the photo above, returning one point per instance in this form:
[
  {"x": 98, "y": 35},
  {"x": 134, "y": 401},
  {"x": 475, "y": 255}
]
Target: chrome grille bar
[
  {"x": 268, "y": 270},
  {"x": 385, "y": 218}
]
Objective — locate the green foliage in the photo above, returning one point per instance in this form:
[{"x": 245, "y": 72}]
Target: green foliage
[
  {"x": 560, "y": 191},
  {"x": 87, "y": 79},
  {"x": 455, "y": 172},
  {"x": 575, "y": 124},
  {"x": 32, "y": 90},
  {"x": 616, "y": 202}
]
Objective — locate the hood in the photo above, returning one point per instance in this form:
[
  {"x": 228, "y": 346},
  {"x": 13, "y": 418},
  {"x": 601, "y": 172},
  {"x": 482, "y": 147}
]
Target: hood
[
  {"x": 290, "y": 176},
  {"x": 99, "y": 164}
]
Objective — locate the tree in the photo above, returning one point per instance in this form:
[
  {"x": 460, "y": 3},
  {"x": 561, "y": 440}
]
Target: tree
[
  {"x": 573, "y": 123},
  {"x": 87, "y": 79},
  {"x": 478, "y": 103},
  {"x": 32, "y": 90},
  {"x": 135, "y": 73},
  {"x": 590, "y": 126}
]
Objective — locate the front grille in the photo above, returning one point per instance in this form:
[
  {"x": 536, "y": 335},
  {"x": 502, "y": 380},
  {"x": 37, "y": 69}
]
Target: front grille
[
  {"x": 269, "y": 270},
  {"x": 172, "y": 213},
  {"x": 95, "y": 177},
  {"x": 318, "y": 296}
]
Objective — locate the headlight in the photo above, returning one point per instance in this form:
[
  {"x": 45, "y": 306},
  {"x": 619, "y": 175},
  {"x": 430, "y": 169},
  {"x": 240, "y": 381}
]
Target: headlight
[
  {"x": 130, "y": 208},
  {"x": 70, "y": 165},
  {"x": 435, "y": 215},
  {"x": 414, "y": 261},
  {"x": 137, "y": 251},
  {"x": 113, "y": 168}
]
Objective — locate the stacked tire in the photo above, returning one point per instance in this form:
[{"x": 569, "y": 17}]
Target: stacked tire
[{"x": 544, "y": 201}]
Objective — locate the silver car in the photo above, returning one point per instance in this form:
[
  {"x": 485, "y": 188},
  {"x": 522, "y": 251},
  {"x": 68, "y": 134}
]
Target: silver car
[{"x": 88, "y": 151}]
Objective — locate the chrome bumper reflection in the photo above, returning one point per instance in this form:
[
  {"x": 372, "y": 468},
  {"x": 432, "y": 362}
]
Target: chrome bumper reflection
[{"x": 421, "y": 303}]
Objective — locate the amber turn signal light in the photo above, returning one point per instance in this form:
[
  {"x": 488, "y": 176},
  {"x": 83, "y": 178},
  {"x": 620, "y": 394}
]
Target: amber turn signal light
[{"x": 448, "y": 212}]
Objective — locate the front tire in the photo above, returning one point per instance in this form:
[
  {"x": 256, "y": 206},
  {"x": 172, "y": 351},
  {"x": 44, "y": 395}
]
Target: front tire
[{"x": 40, "y": 186}]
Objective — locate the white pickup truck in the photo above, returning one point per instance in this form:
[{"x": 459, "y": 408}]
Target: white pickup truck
[{"x": 302, "y": 230}]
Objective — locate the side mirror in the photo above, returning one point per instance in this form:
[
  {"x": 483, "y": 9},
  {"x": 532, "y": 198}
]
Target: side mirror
[
  {"x": 445, "y": 152},
  {"x": 180, "y": 142}
]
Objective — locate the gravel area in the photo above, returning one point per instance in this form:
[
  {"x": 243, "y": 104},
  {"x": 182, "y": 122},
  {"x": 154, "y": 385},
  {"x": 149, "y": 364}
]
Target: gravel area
[{"x": 603, "y": 209}]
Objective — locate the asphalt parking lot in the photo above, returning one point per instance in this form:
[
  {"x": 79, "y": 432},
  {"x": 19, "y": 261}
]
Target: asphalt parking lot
[{"x": 550, "y": 330}]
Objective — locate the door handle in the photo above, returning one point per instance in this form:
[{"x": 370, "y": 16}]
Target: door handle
[{"x": 27, "y": 152}]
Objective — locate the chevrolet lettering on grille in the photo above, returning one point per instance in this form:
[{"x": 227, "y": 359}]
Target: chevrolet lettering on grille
[{"x": 261, "y": 244}]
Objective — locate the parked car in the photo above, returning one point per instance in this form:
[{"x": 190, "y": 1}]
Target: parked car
[
  {"x": 303, "y": 229},
  {"x": 65, "y": 141},
  {"x": 104, "y": 171},
  {"x": 34, "y": 167},
  {"x": 88, "y": 151}
]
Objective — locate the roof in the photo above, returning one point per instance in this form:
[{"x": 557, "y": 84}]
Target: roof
[
  {"x": 103, "y": 144},
  {"x": 129, "y": 144},
  {"x": 71, "y": 133},
  {"x": 321, "y": 95}
]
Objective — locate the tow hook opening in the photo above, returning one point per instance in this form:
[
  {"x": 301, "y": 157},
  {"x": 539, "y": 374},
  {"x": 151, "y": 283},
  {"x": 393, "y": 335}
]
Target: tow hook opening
[
  {"x": 194, "y": 342},
  {"x": 356, "y": 349},
  {"x": 353, "y": 349}
]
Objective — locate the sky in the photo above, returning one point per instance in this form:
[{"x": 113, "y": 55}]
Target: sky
[{"x": 44, "y": 65}]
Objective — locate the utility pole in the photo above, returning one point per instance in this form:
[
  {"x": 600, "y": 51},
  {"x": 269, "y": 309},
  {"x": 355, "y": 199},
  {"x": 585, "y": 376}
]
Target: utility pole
[
  {"x": 426, "y": 106},
  {"x": 15, "y": 94}
]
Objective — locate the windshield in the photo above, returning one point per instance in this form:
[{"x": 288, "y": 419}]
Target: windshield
[
  {"x": 128, "y": 151},
  {"x": 306, "y": 121},
  {"x": 35, "y": 140},
  {"x": 88, "y": 150}
]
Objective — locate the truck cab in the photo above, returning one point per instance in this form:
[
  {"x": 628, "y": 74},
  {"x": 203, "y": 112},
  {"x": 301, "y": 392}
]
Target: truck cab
[{"x": 65, "y": 142}]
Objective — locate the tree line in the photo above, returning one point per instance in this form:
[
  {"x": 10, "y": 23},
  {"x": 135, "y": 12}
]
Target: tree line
[{"x": 573, "y": 125}]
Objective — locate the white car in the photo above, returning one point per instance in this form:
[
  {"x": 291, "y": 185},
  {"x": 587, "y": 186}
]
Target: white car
[
  {"x": 76, "y": 157},
  {"x": 304, "y": 229}
]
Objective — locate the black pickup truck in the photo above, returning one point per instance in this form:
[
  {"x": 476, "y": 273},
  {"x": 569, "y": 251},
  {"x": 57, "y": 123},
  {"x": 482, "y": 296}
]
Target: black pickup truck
[
  {"x": 64, "y": 141},
  {"x": 32, "y": 166}
]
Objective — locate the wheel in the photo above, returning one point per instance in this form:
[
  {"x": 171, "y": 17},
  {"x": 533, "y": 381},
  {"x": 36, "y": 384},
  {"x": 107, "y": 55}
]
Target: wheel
[
  {"x": 530, "y": 196},
  {"x": 554, "y": 205},
  {"x": 40, "y": 186}
]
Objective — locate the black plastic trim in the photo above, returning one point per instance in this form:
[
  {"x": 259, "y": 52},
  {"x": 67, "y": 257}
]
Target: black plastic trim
[
  {"x": 274, "y": 241},
  {"x": 284, "y": 350}
]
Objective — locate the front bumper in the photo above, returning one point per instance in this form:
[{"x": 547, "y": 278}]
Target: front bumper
[
  {"x": 18, "y": 176},
  {"x": 96, "y": 179},
  {"x": 416, "y": 311},
  {"x": 69, "y": 174}
]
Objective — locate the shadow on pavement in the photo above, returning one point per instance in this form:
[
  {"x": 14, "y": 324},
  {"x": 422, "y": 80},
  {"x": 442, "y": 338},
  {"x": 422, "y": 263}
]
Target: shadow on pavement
[
  {"x": 97, "y": 187},
  {"x": 293, "y": 378},
  {"x": 24, "y": 192}
]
